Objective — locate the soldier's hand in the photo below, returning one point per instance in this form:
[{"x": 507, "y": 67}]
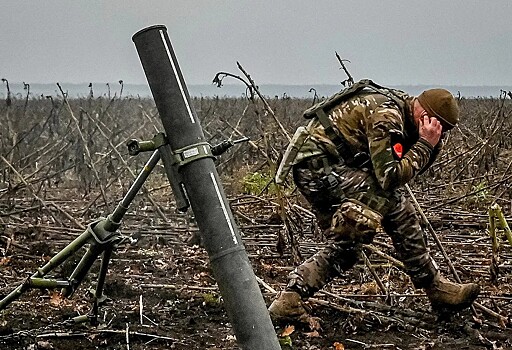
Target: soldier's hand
[{"x": 430, "y": 129}]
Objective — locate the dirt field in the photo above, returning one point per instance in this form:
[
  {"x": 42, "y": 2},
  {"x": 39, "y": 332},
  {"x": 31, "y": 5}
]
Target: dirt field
[
  {"x": 162, "y": 293},
  {"x": 160, "y": 289}
]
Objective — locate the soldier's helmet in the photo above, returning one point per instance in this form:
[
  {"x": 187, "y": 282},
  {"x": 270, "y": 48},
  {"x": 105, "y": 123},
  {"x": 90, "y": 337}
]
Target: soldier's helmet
[{"x": 441, "y": 104}]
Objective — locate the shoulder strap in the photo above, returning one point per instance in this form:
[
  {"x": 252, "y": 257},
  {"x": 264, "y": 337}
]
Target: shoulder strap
[
  {"x": 396, "y": 96},
  {"x": 350, "y": 91},
  {"x": 337, "y": 98}
]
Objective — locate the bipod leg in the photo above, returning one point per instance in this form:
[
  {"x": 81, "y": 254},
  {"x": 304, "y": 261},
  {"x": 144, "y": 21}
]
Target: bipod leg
[
  {"x": 82, "y": 268},
  {"x": 37, "y": 280},
  {"x": 104, "y": 236},
  {"x": 98, "y": 295},
  {"x": 112, "y": 223},
  {"x": 99, "y": 298},
  {"x": 104, "y": 231}
]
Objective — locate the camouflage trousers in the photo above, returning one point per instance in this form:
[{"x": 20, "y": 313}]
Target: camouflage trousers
[{"x": 395, "y": 216}]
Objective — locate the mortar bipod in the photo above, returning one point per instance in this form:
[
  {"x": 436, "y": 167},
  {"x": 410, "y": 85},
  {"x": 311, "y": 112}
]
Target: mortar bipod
[{"x": 102, "y": 234}]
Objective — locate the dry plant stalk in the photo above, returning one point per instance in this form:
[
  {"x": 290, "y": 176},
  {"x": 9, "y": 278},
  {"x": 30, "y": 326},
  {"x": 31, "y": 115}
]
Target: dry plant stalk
[
  {"x": 497, "y": 221},
  {"x": 495, "y": 257}
]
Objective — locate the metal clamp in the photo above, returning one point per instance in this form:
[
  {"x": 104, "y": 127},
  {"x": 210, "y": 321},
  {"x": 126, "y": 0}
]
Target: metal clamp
[{"x": 192, "y": 153}]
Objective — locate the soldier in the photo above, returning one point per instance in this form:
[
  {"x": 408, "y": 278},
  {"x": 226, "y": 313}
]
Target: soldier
[{"x": 351, "y": 163}]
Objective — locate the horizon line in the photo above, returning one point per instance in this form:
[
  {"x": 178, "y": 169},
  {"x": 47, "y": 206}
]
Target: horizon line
[{"x": 271, "y": 84}]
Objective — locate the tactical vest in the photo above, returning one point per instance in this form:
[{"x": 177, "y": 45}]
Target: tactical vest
[{"x": 319, "y": 112}]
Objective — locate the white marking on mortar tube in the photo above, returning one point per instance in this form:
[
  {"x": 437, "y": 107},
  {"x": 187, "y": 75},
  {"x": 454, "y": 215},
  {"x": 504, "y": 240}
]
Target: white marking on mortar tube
[
  {"x": 224, "y": 209},
  {"x": 177, "y": 77}
]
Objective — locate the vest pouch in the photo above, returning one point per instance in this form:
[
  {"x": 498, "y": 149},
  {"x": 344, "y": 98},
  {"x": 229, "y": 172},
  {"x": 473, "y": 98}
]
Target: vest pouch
[{"x": 290, "y": 155}]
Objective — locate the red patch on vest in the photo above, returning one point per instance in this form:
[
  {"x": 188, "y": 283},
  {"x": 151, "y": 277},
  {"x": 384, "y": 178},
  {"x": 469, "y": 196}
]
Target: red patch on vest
[{"x": 398, "y": 149}]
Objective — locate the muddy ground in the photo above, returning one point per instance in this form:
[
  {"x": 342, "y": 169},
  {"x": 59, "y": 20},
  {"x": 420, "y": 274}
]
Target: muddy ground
[{"x": 162, "y": 295}]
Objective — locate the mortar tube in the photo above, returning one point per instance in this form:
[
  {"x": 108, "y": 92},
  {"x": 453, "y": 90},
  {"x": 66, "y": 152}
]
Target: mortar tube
[{"x": 231, "y": 267}]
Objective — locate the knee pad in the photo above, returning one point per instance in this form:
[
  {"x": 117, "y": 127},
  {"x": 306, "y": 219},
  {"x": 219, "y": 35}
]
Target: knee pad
[{"x": 356, "y": 221}]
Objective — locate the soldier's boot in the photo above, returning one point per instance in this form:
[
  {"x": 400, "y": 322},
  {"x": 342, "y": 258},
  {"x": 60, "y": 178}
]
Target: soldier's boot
[
  {"x": 288, "y": 306},
  {"x": 444, "y": 294},
  {"x": 311, "y": 276}
]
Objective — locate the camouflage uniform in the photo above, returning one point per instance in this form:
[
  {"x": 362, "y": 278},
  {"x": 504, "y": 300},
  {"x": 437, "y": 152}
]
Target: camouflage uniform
[{"x": 364, "y": 200}]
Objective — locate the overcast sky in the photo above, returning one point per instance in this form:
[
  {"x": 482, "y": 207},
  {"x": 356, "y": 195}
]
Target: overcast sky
[{"x": 439, "y": 42}]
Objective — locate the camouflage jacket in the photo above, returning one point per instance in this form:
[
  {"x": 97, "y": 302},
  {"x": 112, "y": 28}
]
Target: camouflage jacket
[{"x": 367, "y": 121}]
